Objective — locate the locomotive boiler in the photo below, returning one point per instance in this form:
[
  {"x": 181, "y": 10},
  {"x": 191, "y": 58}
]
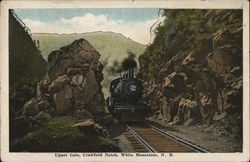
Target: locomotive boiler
[{"x": 124, "y": 95}]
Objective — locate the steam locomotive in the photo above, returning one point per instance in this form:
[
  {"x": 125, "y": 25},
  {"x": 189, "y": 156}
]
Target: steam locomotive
[{"x": 124, "y": 95}]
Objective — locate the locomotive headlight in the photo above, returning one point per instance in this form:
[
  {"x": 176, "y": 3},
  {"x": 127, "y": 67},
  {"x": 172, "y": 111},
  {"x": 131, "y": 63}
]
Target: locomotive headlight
[{"x": 132, "y": 88}]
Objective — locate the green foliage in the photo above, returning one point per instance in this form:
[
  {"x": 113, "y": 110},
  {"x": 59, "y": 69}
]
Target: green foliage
[
  {"x": 56, "y": 135},
  {"x": 59, "y": 136},
  {"x": 26, "y": 66},
  {"x": 21, "y": 92},
  {"x": 188, "y": 22}
]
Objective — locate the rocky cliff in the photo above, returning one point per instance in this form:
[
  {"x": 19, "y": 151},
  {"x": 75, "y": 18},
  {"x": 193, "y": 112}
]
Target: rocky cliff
[
  {"x": 69, "y": 104},
  {"x": 72, "y": 85},
  {"x": 192, "y": 72}
]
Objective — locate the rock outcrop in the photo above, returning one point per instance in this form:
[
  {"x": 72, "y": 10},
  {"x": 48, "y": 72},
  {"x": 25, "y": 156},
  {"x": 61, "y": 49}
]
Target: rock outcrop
[
  {"x": 72, "y": 84},
  {"x": 70, "y": 87},
  {"x": 68, "y": 109},
  {"x": 197, "y": 69}
]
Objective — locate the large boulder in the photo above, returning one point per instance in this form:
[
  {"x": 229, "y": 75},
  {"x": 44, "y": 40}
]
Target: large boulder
[
  {"x": 58, "y": 84},
  {"x": 90, "y": 128},
  {"x": 87, "y": 90},
  {"x": 72, "y": 84},
  {"x": 64, "y": 101},
  {"x": 70, "y": 93}
]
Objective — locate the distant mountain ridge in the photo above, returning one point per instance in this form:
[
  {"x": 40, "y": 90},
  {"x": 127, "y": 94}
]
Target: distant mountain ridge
[
  {"x": 113, "y": 47},
  {"x": 52, "y": 41}
]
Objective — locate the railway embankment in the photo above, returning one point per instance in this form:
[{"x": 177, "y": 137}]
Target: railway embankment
[
  {"x": 67, "y": 113},
  {"x": 201, "y": 136},
  {"x": 192, "y": 72}
]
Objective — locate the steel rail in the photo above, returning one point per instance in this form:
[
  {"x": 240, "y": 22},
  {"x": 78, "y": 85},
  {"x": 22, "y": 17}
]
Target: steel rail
[
  {"x": 140, "y": 139},
  {"x": 180, "y": 140}
]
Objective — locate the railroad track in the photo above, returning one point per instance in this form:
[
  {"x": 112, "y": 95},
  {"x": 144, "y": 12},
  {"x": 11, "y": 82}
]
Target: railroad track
[{"x": 147, "y": 138}]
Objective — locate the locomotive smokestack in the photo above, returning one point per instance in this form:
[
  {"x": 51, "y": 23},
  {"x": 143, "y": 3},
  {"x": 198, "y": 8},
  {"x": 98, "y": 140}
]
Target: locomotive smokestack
[
  {"x": 129, "y": 62},
  {"x": 131, "y": 72}
]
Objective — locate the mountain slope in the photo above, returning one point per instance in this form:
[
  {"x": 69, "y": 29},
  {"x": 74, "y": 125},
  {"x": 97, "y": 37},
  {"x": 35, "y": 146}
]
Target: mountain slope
[
  {"x": 113, "y": 47},
  {"x": 192, "y": 72},
  {"x": 23, "y": 56}
]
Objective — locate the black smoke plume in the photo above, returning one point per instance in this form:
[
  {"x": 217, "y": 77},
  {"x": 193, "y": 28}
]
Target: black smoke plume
[
  {"x": 127, "y": 63},
  {"x": 115, "y": 68}
]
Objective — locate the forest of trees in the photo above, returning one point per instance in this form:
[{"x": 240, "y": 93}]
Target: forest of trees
[
  {"x": 26, "y": 65},
  {"x": 187, "y": 22}
]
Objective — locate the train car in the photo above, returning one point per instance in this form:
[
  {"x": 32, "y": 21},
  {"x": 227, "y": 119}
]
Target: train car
[{"x": 124, "y": 95}]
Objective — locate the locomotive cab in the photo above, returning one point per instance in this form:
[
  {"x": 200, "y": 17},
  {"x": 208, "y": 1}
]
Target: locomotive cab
[{"x": 124, "y": 95}]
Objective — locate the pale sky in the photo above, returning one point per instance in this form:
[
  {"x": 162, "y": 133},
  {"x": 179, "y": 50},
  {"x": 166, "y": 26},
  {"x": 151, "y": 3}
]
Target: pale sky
[{"x": 134, "y": 23}]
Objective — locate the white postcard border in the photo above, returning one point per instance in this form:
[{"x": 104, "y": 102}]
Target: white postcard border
[{"x": 181, "y": 4}]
